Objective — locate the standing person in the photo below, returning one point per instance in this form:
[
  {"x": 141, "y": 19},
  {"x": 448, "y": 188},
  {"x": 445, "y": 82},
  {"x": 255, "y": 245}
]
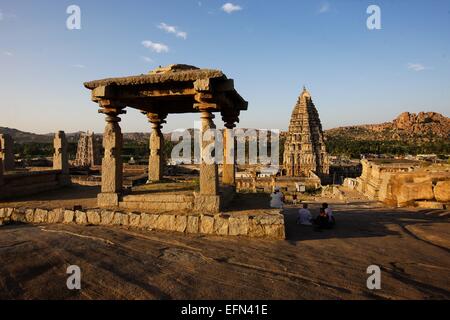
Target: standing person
[
  {"x": 276, "y": 199},
  {"x": 304, "y": 216},
  {"x": 329, "y": 213}
]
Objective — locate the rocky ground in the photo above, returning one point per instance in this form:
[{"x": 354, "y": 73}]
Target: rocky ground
[{"x": 411, "y": 247}]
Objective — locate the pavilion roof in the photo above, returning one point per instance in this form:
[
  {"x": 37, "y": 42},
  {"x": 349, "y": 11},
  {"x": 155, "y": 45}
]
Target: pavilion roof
[{"x": 171, "y": 89}]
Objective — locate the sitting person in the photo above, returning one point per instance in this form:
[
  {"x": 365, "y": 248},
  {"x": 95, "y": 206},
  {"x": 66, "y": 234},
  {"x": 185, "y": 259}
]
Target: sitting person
[
  {"x": 304, "y": 216},
  {"x": 276, "y": 199},
  {"x": 322, "y": 221},
  {"x": 329, "y": 213}
]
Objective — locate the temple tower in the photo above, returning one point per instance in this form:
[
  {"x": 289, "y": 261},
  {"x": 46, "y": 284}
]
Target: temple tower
[
  {"x": 88, "y": 153},
  {"x": 304, "y": 149}
]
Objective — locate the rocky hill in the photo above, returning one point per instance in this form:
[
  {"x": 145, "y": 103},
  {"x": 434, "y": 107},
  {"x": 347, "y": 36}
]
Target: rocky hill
[{"x": 421, "y": 127}]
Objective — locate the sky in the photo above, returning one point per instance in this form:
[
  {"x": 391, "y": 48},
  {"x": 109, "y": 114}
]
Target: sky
[{"x": 270, "y": 48}]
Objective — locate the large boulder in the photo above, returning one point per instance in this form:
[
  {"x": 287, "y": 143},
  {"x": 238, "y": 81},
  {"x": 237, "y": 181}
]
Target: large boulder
[
  {"x": 410, "y": 192},
  {"x": 442, "y": 191}
]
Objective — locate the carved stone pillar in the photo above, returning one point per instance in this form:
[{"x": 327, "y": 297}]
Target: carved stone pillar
[
  {"x": 229, "y": 156},
  {"x": 1, "y": 172},
  {"x": 60, "y": 157},
  {"x": 156, "y": 159},
  {"x": 209, "y": 181},
  {"x": 112, "y": 164},
  {"x": 7, "y": 152}
]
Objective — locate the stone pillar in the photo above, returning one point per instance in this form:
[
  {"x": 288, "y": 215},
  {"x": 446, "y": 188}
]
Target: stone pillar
[
  {"x": 229, "y": 156},
  {"x": 60, "y": 157},
  {"x": 209, "y": 181},
  {"x": 208, "y": 200},
  {"x": 112, "y": 164},
  {"x": 7, "y": 152},
  {"x": 156, "y": 158},
  {"x": 1, "y": 172}
]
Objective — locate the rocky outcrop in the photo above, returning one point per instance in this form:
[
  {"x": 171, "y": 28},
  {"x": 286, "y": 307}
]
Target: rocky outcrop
[{"x": 425, "y": 126}]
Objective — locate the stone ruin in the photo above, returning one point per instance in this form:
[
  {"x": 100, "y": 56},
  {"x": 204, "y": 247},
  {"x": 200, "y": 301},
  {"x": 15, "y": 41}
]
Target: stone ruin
[
  {"x": 6, "y": 152},
  {"x": 88, "y": 152},
  {"x": 14, "y": 184}
]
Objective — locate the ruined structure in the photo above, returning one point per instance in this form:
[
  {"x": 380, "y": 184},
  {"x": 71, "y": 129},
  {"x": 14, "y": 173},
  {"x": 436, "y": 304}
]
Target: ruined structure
[
  {"x": 32, "y": 182},
  {"x": 88, "y": 153},
  {"x": 7, "y": 152},
  {"x": 304, "y": 149},
  {"x": 170, "y": 90},
  {"x": 403, "y": 183}
]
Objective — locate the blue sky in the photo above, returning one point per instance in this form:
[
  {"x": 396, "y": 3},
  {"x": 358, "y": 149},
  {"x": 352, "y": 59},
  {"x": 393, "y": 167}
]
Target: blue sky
[{"x": 270, "y": 48}]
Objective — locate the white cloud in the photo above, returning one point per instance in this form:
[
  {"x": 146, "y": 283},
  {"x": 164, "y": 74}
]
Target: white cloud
[
  {"x": 1, "y": 15},
  {"x": 147, "y": 59},
  {"x": 230, "y": 8},
  {"x": 324, "y": 7},
  {"x": 172, "y": 29},
  {"x": 416, "y": 67},
  {"x": 79, "y": 66},
  {"x": 156, "y": 47},
  {"x": 8, "y": 53}
]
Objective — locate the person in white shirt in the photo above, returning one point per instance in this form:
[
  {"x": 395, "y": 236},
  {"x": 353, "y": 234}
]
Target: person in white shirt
[
  {"x": 304, "y": 216},
  {"x": 329, "y": 213},
  {"x": 276, "y": 199}
]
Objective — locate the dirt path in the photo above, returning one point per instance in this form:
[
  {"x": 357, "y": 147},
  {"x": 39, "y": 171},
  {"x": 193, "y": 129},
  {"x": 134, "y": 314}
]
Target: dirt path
[{"x": 125, "y": 264}]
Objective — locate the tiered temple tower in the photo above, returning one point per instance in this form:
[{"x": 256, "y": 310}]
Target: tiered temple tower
[
  {"x": 304, "y": 149},
  {"x": 88, "y": 153}
]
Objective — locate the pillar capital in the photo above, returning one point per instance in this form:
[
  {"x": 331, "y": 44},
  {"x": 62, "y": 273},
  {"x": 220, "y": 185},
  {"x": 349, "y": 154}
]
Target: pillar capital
[
  {"x": 112, "y": 110},
  {"x": 156, "y": 119}
]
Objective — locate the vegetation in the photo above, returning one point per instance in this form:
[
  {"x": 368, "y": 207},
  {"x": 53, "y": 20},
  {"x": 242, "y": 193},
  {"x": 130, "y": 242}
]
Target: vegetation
[{"x": 354, "y": 148}]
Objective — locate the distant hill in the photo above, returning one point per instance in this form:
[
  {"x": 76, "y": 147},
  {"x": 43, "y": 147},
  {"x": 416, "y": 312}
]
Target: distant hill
[
  {"x": 408, "y": 127},
  {"x": 22, "y": 137}
]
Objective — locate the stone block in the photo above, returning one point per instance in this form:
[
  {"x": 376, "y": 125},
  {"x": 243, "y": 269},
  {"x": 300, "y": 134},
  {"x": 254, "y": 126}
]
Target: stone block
[
  {"x": 207, "y": 224},
  {"x": 442, "y": 191},
  {"x": 120, "y": 219},
  {"x": 221, "y": 225},
  {"x": 69, "y": 216},
  {"x": 275, "y": 231},
  {"x": 192, "y": 224},
  {"x": 238, "y": 226},
  {"x": 19, "y": 215},
  {"x": 40, "y": 216},
  {"x": 107, "y": 200},
  {"x": 80, "y": 217},
  {"x": 180, "y": 223},
  {"x": 430, "y": 205},
  {"x": 166, "y": 222},
  {"x": 135, "y": 220},
  {"x": 148, "y": 221},
  {"x": 107, "y": 217},
  {"x": 93, "y": 217},
  {"x": 410, "y": 192},
  {"x": 29, "y": 215},
  {"x": 56, "y": 216},
  {"x": 255, "y": 229},
  {"x": 207, "y": 203}
]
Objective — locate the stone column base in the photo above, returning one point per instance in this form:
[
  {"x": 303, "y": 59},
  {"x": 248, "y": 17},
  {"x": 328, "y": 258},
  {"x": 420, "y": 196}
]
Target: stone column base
[
  {"x": 105, "y": 200},
  {"x": 207, "y": 203}
]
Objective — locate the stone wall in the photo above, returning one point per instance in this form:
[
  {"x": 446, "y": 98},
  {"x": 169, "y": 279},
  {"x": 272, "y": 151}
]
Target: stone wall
[
  {"x": 267, "y": 185},
  {"x": 28, "y": 183},
  {"x": 268, "y": 225},
  {"x": 404, "y": 184}
]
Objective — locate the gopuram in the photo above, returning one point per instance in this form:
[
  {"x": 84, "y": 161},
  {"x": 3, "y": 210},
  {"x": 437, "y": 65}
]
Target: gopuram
[
  {"x": 176, "y": 89},
  {"x": 304, "y": 149},
  {"x": 88, "y": 153}
]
